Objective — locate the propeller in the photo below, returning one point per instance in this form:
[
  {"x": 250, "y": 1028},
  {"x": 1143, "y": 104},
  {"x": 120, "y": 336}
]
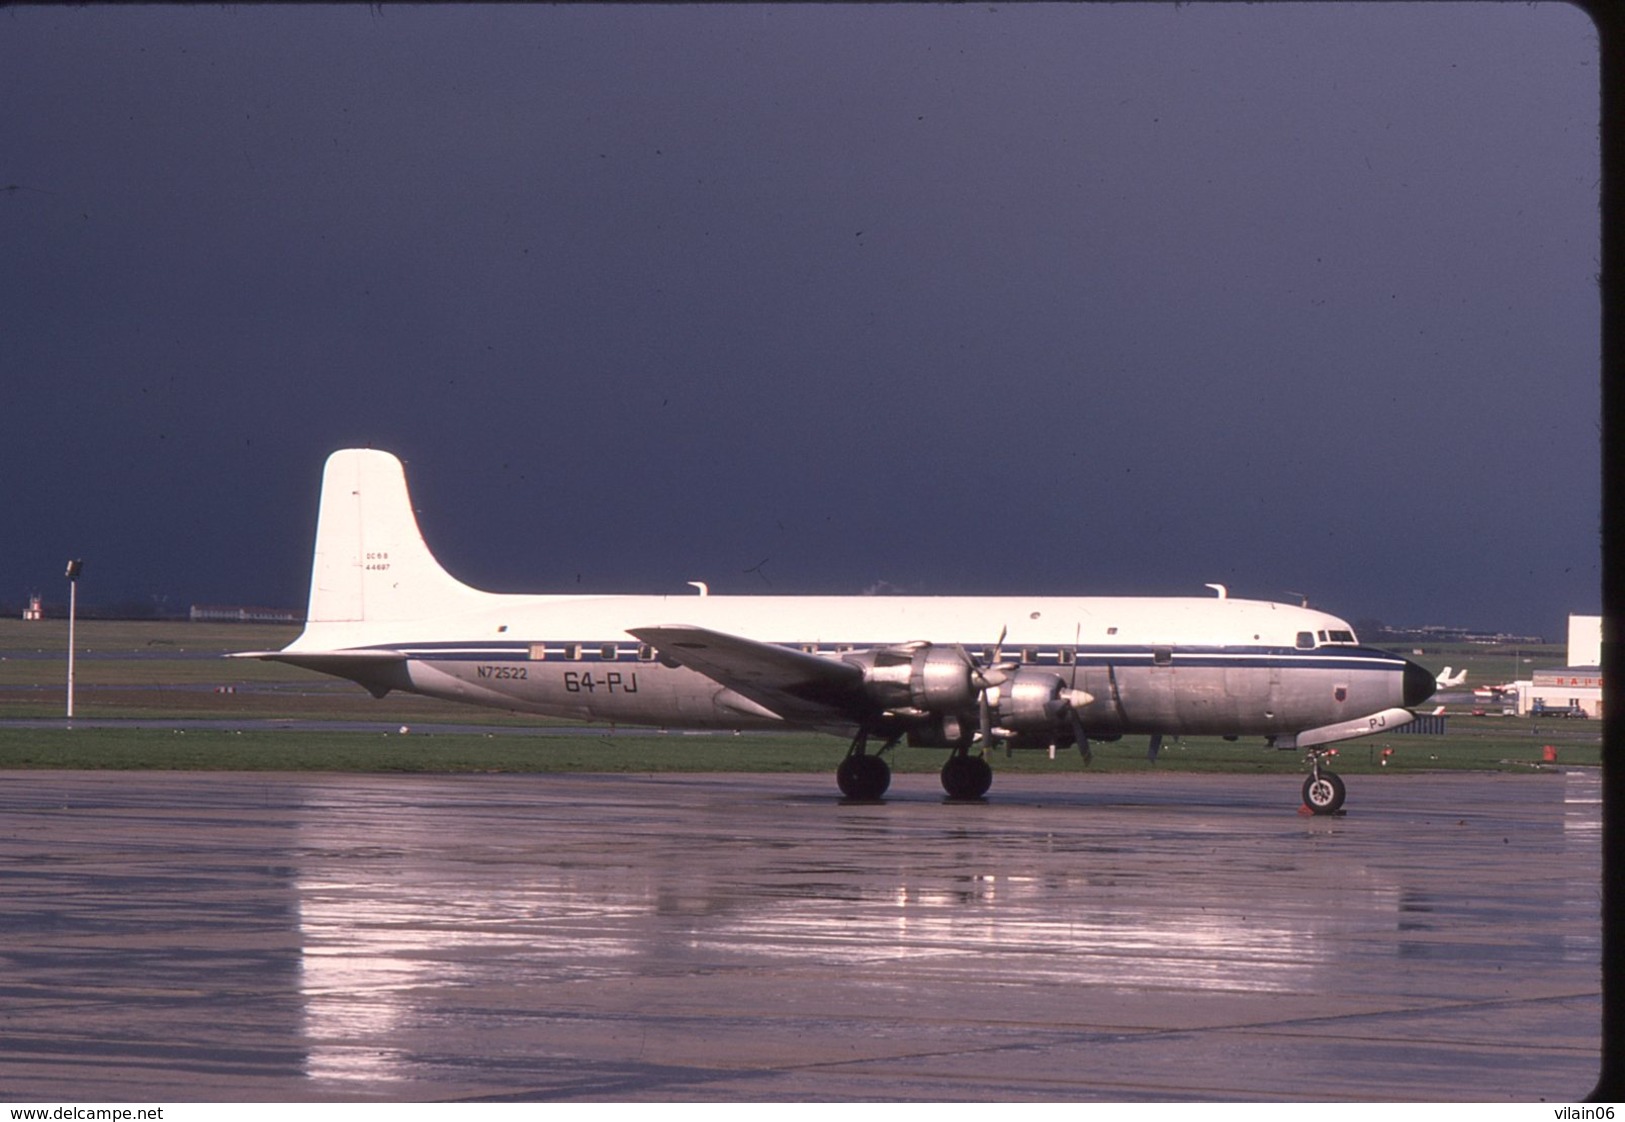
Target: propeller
[
  {"x": 1073, "y": 702},
  {"x": 987, "y": 678},
  {"x": 995, "y": 672},
  {"x": 1029, "y": 700}
]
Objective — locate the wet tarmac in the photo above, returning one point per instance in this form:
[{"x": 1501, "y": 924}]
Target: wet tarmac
[{"x": 206, "y": 936}]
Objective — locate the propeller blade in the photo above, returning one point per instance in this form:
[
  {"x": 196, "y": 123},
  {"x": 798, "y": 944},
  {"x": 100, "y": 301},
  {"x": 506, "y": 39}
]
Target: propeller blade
[
  {"x": 1082, "y": 737},
  {"x": 1077, "y": 641},
  {"x": 994, "y": 659}
]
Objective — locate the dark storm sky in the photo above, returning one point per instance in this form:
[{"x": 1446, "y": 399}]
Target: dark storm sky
[{"x": 972, "y": 299}]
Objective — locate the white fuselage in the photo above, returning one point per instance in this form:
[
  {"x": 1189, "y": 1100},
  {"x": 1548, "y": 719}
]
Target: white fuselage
[{"x": 1177, "y": 666}]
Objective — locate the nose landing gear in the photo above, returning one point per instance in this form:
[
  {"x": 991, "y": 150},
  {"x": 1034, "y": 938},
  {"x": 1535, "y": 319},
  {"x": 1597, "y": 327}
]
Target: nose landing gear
[{"x": 1323, "y": 791}]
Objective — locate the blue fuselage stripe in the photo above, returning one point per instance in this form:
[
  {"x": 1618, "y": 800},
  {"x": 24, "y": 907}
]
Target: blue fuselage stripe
[{"x": 1341, "y": 658}]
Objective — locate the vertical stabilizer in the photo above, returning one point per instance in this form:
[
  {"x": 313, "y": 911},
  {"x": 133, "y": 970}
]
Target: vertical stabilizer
[{"x": 372, "y": 564}]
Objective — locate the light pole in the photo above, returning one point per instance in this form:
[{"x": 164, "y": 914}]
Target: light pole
[{"x": 74, "y": 568}]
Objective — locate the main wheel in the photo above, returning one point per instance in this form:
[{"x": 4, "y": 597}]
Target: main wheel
[
  {"x": 966, "y": 777},
  {"x": 1324, "y": 793},
  {"x": 863, "y": 777}
]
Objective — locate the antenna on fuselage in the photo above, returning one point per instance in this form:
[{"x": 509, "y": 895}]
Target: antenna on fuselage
[
  {"x": 1224, "y": 593},
  {"x": 705, "y": 589},
  {"x": 1303, "y": 597}
]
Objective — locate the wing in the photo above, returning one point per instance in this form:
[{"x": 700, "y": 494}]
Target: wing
[{"x": 801, "y": 688}]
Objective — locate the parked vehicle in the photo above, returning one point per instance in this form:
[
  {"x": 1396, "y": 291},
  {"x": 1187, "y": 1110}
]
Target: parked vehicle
[{"x": 1544, "y": 708}]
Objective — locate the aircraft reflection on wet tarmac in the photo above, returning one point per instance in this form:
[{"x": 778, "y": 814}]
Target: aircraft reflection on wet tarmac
[{"x": 183, "y": 937}]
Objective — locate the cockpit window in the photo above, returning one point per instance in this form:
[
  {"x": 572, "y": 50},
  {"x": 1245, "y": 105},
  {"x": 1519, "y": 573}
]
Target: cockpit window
[
  {"x": 1334, "y": 635},
  {"x": 1306, "y": 641}
]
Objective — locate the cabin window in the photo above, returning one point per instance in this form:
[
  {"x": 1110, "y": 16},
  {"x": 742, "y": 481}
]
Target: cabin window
[
  {"x": 646, "y": 653},
  {"x": 1306, "y": 641},
  {"x": 537, "y": 652},
  {"x": 1029, "y": 655},
  {"x": 1162, "y": 656},
  {"x": 571, "y": 651},
  {"x": 1066, "y": 656},
  {"x": 609, "y": 652},
  {"x": 809, "y": 648}
]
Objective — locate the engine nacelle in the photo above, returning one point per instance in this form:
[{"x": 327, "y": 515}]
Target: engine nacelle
[
  {"x": 1031, "y": 701},
  {"x": 940, "y": 680},
  {"x": 931, "y": 678},
  {"x": 885, "y": 675},
  {"x": 938, "y": 691}
]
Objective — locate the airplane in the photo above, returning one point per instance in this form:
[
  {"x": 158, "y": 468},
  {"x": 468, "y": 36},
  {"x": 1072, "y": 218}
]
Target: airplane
[
  {"x": 1446, "y": 682},
  {"x": 948, "y": 672}
]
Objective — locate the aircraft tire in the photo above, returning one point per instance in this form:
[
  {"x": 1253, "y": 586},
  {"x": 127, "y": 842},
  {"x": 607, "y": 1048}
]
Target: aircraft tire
[
  {"x": 1324, "y": 795},
  {"x": 863, "y": 777},
  {"x": 966, "y": 777}
]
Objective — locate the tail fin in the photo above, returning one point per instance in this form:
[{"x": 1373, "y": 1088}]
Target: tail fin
[{"x": 372, "y": 564}]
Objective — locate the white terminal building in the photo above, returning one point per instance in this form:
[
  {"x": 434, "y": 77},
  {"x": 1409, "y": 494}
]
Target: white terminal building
[{"x": 1577, "y": 686}]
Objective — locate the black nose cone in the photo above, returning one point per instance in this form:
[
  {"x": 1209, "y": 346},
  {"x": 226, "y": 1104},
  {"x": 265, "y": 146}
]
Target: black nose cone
[{"x": 1419, "y": 684}]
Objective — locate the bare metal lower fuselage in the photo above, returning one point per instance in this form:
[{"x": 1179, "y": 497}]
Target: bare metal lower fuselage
[{"x": 1256, "y": 692}]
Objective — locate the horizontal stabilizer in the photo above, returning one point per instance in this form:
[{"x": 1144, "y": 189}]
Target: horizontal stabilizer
[{"x": 376, "y": 671}]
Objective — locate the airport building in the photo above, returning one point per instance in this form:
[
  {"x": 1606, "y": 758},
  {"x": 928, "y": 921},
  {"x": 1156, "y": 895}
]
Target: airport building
[
  {"x": 221, "y": 613},
  {"x": 1574, "y": 690}
]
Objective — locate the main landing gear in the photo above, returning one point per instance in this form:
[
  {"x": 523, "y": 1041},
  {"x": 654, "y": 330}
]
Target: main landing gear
[
  {"x": 864, "y": 777},
  {"x": 861, "y": 776},
  {"x": 1323, "y": 791},
  {"x": 966, "y": 777}
]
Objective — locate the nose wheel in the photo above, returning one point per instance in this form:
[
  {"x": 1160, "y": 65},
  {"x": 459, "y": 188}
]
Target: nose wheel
[{"x": 1323, "y": 791}]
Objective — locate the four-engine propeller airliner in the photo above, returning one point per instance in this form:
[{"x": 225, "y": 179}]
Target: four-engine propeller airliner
[{"x": 957, "y": 673}]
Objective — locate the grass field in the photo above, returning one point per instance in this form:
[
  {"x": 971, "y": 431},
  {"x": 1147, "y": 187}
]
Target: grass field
[{"x": 175, "y": 671}]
